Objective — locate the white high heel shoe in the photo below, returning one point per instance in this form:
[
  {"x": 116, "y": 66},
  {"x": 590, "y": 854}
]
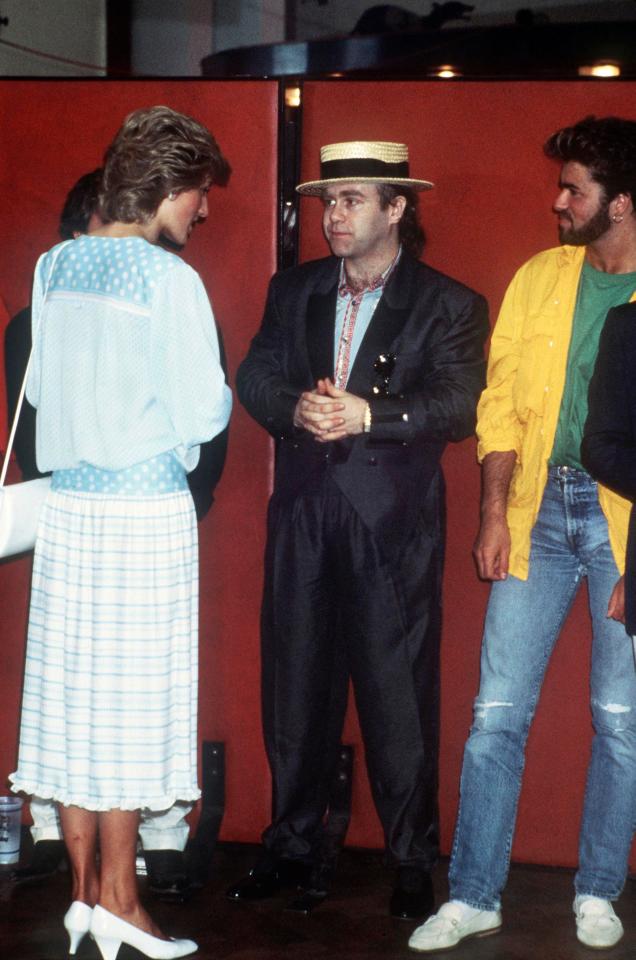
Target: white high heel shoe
[
  {"x": 77, "y": 921},
  {"x": 109, "y": 932}
]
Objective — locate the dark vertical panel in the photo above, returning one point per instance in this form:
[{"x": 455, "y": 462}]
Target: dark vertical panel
[
  {"x": 118, "y": 37},
  {"x": 290, "y": 137}
]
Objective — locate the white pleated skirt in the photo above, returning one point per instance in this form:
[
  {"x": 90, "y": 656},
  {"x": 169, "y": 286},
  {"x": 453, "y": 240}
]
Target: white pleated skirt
[{"x": 109, "y": 713}]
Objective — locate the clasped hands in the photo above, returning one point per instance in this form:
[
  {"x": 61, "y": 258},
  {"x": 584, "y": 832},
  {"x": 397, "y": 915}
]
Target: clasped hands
[{"x": 330, "y": 413}]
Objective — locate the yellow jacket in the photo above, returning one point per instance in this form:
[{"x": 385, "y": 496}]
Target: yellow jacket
[{"x": 519, "y": 408}]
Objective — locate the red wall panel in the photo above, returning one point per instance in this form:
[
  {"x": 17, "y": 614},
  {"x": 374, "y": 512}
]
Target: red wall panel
[
  {"x": 4, "y": 424},
  {"x": 52, "y": 132},
  {"x": 490, "y": 210},
  {"x": 481, "y": 144}
]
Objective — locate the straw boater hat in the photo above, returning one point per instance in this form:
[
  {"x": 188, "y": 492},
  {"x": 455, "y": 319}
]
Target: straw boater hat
[{"x": 360, "y": 161}]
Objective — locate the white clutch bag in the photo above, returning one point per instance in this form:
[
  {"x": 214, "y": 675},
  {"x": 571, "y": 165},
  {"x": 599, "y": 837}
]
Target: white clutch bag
[{"x": 21, "y": 503}]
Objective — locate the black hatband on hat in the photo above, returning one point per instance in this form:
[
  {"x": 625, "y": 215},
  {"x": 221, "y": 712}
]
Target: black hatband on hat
[{"x": 353, "y": 168}]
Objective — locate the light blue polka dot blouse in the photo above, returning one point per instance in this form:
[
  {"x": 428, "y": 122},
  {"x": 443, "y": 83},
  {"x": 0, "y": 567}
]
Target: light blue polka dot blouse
[{"x": 125, "y": 363}]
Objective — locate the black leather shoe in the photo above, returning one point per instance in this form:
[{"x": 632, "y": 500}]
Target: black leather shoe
[
  {"x": 314, "y": 890},
  {"x": 264, "y": 882},
  {"x": 413, "y": 897},
  {"x": 167, "y": 875},
  {"x": 48, "y": 856}
]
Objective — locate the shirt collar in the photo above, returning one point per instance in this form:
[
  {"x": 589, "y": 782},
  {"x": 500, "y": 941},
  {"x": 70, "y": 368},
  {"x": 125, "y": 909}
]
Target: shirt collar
[{"x": 345, "y": 290}]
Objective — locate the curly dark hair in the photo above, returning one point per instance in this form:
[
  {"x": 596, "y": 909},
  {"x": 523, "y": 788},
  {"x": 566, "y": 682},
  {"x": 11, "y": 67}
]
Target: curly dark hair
[
  {"x": 410, "y": 230},
  {"x": 157, "y": 151},
  {"x": 606, "y": 146},
  {"x": 80, "y": 204}
]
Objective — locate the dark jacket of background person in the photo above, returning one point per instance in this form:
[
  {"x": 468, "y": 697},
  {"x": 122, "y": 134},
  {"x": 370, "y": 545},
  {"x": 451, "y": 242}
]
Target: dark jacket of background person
[{"x": 609, "y": 444}]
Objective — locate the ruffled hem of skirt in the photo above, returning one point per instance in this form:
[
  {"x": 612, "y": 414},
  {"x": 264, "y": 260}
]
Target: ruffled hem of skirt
[{"x": 163, "y": 802}]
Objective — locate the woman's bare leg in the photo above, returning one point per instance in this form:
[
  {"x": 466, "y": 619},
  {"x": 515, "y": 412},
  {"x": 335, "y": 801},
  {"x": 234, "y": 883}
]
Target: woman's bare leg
[
  {"x": 79, "y": 827},
  {"x": 118, "y": 880}
]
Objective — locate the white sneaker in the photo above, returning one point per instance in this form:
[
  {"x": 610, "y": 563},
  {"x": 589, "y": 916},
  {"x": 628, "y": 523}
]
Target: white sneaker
[
  {"x": 454, "y": 922},
  {"x": 596, "y": 923}
]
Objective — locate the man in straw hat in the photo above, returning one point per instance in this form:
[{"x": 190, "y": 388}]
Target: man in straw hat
[
  {"x": 545, "y": 526},
  {"x": 367, "y": 363}
]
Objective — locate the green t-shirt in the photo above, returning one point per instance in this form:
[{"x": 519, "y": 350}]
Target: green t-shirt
[{"x": 598, "y": 292}]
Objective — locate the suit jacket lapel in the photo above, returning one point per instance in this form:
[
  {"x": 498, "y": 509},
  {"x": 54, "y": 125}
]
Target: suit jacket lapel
[{"x": 386, "y": 324}]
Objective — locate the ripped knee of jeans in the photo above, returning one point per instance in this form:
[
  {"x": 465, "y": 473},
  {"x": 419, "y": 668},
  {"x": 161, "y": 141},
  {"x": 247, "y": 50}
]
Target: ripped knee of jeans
[
  {"x": 612, "y": 716},
  {"x": 491, "y": 712}
]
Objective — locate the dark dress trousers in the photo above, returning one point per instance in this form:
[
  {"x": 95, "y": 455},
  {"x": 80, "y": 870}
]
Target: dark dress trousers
[
  {"x": 355, "y": 545},
  {"x": 609, "y": 443}
]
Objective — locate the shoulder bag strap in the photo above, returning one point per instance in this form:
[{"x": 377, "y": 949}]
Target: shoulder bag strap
[{"x": 16, "y": 416}]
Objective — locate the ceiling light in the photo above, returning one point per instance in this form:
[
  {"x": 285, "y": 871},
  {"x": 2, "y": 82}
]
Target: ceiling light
[
  {"x": 445, "y": 71},
  {"x": 600, "y": 70},
  {"x": 292, "y": 96}
]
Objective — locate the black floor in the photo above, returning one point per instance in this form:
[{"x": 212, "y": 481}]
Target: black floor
[{"x": 352, "y": 924}]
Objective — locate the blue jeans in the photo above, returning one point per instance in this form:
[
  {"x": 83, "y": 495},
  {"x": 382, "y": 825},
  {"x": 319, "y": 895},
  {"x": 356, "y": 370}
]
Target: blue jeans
[{"x": 523, "y": 621}]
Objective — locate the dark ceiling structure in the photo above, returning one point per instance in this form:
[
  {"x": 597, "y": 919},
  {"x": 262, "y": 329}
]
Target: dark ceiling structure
[{"x": 517, "y": 51}]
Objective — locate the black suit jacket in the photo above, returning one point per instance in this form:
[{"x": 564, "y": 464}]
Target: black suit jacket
[
  {"x": 434, "y": 326},
  {"x": 609, "y": 443}
]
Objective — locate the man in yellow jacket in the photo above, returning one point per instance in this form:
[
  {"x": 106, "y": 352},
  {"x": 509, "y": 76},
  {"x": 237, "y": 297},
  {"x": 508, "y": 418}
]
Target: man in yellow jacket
[{"x": 545, "y": 525}]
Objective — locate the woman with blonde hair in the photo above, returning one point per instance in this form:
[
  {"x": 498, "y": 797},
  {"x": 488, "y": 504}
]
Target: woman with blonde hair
[{"x": 126, "y": 381}]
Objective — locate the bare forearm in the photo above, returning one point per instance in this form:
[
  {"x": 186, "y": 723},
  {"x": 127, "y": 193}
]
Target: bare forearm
[
  {"x": 496, "y": 474},
  {"x": 492, "y": 547}
]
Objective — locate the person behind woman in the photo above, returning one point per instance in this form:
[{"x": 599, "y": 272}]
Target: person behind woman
[{"x": 126, "y": 381}]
